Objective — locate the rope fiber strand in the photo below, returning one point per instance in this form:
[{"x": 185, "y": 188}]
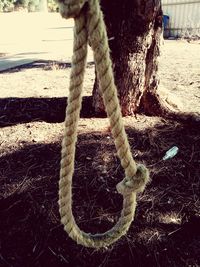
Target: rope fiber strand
[{"x": 90, "y": 28}]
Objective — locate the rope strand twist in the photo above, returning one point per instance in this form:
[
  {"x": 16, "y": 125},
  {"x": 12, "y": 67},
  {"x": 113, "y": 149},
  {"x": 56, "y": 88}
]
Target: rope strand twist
[{"x": 90, "y": 28}]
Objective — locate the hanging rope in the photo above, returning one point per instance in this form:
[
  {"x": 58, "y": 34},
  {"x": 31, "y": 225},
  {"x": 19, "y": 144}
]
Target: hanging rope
[{"x": 90, "y": 27}]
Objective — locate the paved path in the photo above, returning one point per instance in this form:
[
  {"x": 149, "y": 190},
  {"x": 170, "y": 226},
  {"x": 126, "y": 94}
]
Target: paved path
[{"x": 28, "y": 37}]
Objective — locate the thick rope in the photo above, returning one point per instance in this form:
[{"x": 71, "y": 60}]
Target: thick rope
[{"x": 90, "y": 27}]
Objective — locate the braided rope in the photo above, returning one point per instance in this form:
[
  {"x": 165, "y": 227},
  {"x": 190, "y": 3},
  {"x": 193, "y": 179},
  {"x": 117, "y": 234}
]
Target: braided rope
[{"x": 89, "y": 26}]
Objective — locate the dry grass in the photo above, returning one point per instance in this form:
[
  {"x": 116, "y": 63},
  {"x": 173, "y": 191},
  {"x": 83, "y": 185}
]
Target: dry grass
[
  {"x": 165, "y": 231},
  {"x": 166, "y": 227}
]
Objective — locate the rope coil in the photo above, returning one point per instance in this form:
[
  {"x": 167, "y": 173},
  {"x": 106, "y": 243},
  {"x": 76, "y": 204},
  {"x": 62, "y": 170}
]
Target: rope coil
[{"x": 90, "y": 28}]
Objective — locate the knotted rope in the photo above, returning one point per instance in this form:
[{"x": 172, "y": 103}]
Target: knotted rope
[{"x": 90, "y": 27}]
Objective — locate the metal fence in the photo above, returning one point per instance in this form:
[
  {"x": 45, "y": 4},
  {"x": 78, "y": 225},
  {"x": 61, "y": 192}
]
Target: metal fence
[{"x": 184, "y": 17}]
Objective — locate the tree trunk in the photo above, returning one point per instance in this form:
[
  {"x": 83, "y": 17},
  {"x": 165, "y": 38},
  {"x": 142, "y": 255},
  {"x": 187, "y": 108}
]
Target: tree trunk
[{"x": 134, "y": 29}]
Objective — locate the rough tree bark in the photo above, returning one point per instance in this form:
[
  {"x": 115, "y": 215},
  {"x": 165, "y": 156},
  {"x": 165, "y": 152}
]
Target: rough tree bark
[{"x": 134, "y": 31}]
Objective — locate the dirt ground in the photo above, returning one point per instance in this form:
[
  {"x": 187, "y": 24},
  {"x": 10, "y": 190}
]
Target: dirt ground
[
  {"x": 180, "y": 75},
  {"x": 166, "y": 229}
]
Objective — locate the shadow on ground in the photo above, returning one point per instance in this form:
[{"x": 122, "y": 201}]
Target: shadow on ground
[
  {"x": 166, "y": 229},
  {"x": 15, "y": 110},
  {"x": 22, "y": 110},
  {"x": 39, "y": 64}
]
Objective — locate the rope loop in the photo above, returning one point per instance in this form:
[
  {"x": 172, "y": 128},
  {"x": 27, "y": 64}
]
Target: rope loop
[{"x": 90, "y": 28}]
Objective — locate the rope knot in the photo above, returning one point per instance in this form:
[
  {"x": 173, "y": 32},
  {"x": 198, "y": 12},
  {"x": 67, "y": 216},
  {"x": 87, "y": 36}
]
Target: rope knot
[
  {"x": 135, "y": 183},
  {"x": 70, "y": 8}
]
